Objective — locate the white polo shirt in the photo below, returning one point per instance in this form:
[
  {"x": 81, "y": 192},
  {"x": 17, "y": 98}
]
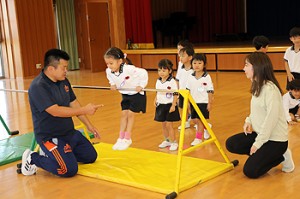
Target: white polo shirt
[
  {"x": 289, "y": 103},
  {"x": 128, "y": 77},
  {"x": 169, "y": 84},
  {"x": 200, "y": 87},
  {"x": 293, "y": 59},
  {"x": 182, "y": 75}
]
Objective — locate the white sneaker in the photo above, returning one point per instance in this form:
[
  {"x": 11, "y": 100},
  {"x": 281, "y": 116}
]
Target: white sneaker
[
  {"x": 187, "y": 125},
  {"x": 27, "y": 168},
  {"x": 125, "y": 144},
  {"x": 164, "y": 144},
  {"x": 174, "y": 146},
  {"x": 288, "y": 163},
  {"x": 196, "y": 141},
  {"x": 206, "y": 134},
  {"x": 117, "y": 144}
]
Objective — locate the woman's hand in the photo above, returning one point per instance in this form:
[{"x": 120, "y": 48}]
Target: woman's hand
[
  {"x": 253, "y": 150},
  {"x": 247, "y": 128}
]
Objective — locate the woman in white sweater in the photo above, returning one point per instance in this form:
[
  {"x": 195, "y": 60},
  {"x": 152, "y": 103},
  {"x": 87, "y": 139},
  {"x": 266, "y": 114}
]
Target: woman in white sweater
[{"x": 265, "y": 136}]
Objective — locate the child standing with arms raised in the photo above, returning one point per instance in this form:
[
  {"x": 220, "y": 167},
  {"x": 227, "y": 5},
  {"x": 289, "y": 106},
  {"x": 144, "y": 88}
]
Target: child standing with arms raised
[
  {"x": 166, "y": 104},
  {"x": 201, "y": 89},
  {"x": 130, "y": 81}
]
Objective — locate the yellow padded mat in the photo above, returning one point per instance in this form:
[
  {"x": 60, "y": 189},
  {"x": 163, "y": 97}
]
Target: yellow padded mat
[{"x": 150, "y": 170}]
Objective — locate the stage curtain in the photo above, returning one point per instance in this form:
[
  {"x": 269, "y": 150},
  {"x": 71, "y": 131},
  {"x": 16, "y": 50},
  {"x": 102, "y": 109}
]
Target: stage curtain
[
  {"x": 138, "y": 23},
  {"x": 66, "y": 24},
  {"x": 214, "y": 17}
]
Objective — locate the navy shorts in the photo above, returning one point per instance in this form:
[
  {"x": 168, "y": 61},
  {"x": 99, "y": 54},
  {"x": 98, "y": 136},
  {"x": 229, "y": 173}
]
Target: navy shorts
[
  {"x": 294, "y": 110},
  {"x": 162, "y": 113},
  {"x": 135, "y": 103},
  {"x": 203, "y": 109}
]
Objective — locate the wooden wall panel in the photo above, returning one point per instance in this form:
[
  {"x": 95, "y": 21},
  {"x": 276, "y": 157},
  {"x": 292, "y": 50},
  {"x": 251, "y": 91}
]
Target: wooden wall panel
[
  {"x": 151, "y": 61},
  {"x": 277, "y": 60},
  {"x": 237, "y": 61},
  {"x": 136, "y": 60},
  {"x": 37, "y": 34},
  {"x": 211, "y": 62},
  {"x": 231, "y": 61}
]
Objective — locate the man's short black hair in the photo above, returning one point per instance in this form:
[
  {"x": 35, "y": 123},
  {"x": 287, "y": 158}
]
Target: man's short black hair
[{"x": 53, "y": 56}]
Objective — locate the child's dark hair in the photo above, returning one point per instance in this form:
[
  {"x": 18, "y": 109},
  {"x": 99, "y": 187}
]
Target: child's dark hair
[
  {"x": 295, "y": 32},
  {"x": 260, "y": 41},
  {"x": 189, "y": 51},
  {"x": 294, "y": 84},
  {"x": 200, "y": 57},
  {"x": 116, "y": 53},
  {"x": 53, "y": 56},
  {"x": 165, "y": 64},
  {"x": 185, "y": 43}
]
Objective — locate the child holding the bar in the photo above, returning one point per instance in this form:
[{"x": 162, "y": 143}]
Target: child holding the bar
[
  {"x": 166, "y": 104},
  {"x": 291, "y": 102},
  {"x": 201, "y": 89},
  {"x": 130, "y": 81}
]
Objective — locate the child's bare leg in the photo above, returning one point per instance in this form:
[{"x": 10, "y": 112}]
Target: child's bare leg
[
  {"x": 165, "y": 130},
  {"x": 293, "y": 117},
  {"x": 171, "y": 134},
  {"x": 130, "y": 122},
  {"x": 123, "y": 121},
  {"x": 174, "y": 144}
]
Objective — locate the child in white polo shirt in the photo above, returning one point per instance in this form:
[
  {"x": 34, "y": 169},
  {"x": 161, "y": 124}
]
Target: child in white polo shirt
[
  {"x": 201, "y": 89},
  {"x": 166, "y": 104},
  {"x": 291, "y": 101}
]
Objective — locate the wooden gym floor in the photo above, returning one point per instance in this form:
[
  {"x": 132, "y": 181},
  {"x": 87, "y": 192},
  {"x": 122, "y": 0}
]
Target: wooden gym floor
[{"x": 231, "y": 106}]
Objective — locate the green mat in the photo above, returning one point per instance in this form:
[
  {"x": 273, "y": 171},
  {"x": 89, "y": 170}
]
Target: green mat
[{"x": 11, "y": 149}]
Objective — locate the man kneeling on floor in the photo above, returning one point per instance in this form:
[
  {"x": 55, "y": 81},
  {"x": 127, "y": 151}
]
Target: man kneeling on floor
[{"x": 53, "y": 104}]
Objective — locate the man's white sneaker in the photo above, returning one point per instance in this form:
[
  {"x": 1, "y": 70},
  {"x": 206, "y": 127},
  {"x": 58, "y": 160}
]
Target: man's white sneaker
[
  {"x": 174, "y": 146},
  {"x": 164, "y": 144},
  {"x": 117, "y": 144},
  {"x": 288, "y": 163},
  {"x": 27, "y": 168},
  {"x": 125, "y": 144},
  {"x": 187, "y": 125},
  {"x": 196, "y": 141}
]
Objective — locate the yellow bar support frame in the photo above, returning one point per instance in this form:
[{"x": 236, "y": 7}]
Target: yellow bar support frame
[
  {"x": 213, "y": 136},
  {"x": 185, "y": 95},
  {"x": 188, "y": 98}
]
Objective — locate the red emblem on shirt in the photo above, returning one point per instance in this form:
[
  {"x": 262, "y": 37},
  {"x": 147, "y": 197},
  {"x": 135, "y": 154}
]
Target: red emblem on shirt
[{"x": 67, "y": 88}]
